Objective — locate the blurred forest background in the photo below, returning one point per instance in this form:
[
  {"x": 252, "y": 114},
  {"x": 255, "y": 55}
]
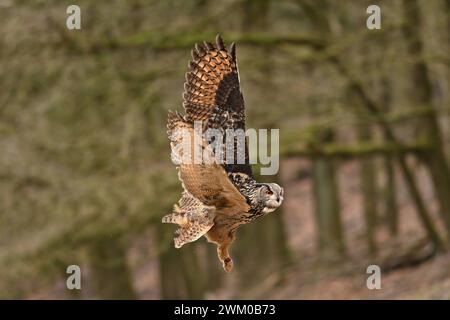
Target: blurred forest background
[{"x": 85, "y": 170}]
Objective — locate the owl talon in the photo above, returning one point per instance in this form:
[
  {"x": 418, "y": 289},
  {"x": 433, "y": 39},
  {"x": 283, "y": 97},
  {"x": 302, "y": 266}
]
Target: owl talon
[{"x": 228, "y": 264}]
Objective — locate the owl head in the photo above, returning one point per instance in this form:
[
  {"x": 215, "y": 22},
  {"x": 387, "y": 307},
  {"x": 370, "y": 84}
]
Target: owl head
[{"x": 271, "y": 195}]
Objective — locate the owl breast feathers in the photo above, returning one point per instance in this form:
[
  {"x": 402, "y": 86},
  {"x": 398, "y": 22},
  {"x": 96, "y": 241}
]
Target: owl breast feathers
[{"x": 218, "y": 196}]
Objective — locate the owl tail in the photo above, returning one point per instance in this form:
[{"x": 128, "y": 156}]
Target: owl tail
[
  {"x": 177, "y": 217},
  {"x": 190, "y": 233},
  {"x": 174, "y": 218},
  {"x": 194, "y": 218}
]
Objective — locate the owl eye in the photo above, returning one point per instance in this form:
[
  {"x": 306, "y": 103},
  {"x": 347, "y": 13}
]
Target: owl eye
[{"x": 269, "y": 192}]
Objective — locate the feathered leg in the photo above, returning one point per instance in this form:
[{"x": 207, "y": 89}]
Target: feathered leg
[{"x": 224, "y": 255}]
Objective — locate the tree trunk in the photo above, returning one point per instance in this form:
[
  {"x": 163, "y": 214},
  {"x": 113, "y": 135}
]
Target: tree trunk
[
  {"x": 111, "y": 277},
  {"x": 388, "y": 164},
  {"x": 326, "y": 198},
  {"x": 369, "y": 192},
  {"x": 390, "y": 205},
  {"x": 388, "y": 132},
  {"x": 435, "y": 160},
  {"x": 181, "y": 275},
  {"x": 327, "y": 209},
  {"x": 260, "y": 247}
]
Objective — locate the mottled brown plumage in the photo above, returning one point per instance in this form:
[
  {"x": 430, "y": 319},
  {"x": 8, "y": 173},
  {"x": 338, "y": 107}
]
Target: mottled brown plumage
[{"x": 217, "y": 198}]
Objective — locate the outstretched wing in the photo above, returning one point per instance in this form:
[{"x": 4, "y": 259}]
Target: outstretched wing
[
  {"x": 212, "y": 94},
  {"x": 206, "y": 181}
]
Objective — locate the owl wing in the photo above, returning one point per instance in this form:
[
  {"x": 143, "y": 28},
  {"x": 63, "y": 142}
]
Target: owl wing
[
  {"x": 207, "y": 181},
  {"x": 212, "y": 95}
]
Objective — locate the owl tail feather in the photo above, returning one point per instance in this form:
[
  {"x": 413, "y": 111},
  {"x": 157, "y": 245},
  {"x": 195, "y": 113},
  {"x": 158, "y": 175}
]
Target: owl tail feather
[
  {"x": 189, "y": 231},
  {"x": 190, "y": 234},
  {"x": 169, "y": 218}
]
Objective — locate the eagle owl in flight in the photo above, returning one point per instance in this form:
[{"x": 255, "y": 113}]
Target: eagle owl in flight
[{"x": 217, "y": 197}]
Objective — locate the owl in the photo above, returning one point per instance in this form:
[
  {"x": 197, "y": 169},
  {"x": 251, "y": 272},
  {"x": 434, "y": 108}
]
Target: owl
[{"x": 218, "y": 197}]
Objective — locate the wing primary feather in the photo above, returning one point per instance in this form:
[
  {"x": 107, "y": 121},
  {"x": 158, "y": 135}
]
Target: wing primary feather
[
  {"x": 200, "y": 50},
  {"x": 194, "y": 54},
  {"x": 233, "y": 51},
  {"x": 192, "y": 65},
  {"x": 219, "y": 42},
  {"x": 209, "y": 45},
  {"x": 212, "y": 92}
]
